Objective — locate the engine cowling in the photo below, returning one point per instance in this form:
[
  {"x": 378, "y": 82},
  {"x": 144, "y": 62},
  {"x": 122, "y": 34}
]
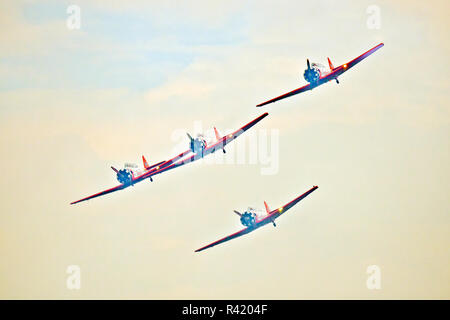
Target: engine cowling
[
  {"x": 124, "y": 176},
  {"x": 248, "y": 219},
  {"x": 197, "y": 145},
  {"x": 311, "y": 75}
]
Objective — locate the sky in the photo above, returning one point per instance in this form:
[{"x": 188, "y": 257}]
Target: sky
[{"x": 137, "y": 75}]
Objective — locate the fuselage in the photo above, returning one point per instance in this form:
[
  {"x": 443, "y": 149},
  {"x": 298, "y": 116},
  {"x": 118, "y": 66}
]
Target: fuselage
[{"x": 197, "y": 145}]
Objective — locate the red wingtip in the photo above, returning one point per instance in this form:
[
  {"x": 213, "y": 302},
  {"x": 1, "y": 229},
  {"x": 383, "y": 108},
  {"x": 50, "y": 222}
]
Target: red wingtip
[{"x": 381, "y": 44}]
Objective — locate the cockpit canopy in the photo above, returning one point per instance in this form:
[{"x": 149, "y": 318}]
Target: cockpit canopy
[{"x": 318, "y": 66}]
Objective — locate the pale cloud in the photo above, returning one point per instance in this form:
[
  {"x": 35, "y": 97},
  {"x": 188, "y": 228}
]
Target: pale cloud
[
  {"x": 72, "y": 104},
  {"x": 182, "y": 89},
  {"x": 22, "y": 38}
]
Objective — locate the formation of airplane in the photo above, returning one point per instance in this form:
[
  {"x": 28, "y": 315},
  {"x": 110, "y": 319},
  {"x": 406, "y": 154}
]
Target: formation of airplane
[
  {"x": 252, "y": 221},
  {"x": 316, "y": 74},
  {"x": 198, "y": 148}
]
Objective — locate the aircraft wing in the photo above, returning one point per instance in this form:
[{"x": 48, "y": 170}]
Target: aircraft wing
[
  {"x": 278, "y": 212},
  {"x": 230, "y": 137},
  {"x": 163, "y": 167},
  {"x": 346, "y": 66},
  {"x": 173, "y": 160},
  {"x": 116, "y": 188},
  {"x": 219, "y": 145},
  {"x": 293, "y": 92},
  {"x": 227, "y": 238}
]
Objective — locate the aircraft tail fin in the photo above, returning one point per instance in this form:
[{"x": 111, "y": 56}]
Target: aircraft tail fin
[
  {"x": 146, "y": 166},
  {"x": 330, "y": 64},
  {"x": 267, "y": 207},
  {"x": 217, "y": 134},
  {"x": 218, "y": 137}
]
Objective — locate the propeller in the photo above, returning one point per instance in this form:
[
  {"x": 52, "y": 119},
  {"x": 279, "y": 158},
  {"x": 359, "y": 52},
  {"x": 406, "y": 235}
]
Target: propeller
[
  {"x": 189, "y": 136},
  {"x": 115, "y": 170},
  {"x": 307, "y": 62},
  {"x": 238, "y": 213}
]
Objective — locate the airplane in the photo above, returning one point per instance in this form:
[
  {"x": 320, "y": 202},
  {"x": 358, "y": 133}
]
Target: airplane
[
  {"x": 252, "y": 221},
  {"x": 198, "y": 148},
  {"x": 316, "y": 74}
]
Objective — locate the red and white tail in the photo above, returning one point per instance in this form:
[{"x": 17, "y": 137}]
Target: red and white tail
[
  {"x": 146, "y": 166},
  {"x": 217, "y": 134},
  {"x": 330, "y": 64},
  {"x": 267, "y": 207},
  {"x": 218, "y": 137}
]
